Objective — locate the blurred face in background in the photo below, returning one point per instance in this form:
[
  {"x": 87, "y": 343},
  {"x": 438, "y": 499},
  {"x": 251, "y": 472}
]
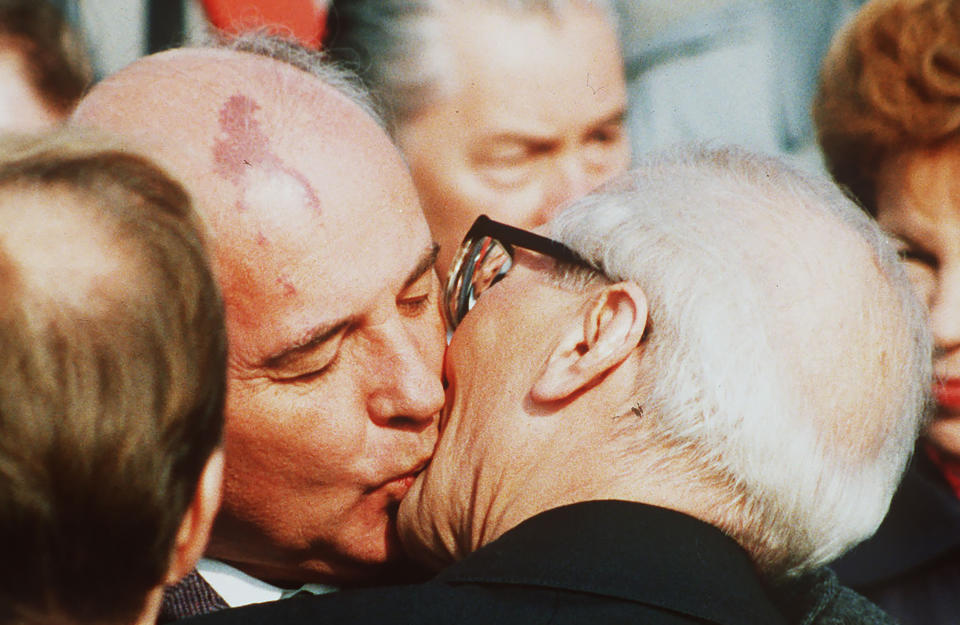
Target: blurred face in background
[
  {"x": 22, "y": 108},
  {"x": 918, "y": 201},
  {"x": 534, "y": 117}
]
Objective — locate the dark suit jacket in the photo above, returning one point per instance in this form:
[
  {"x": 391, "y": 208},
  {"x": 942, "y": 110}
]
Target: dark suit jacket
[
  {"x": 911, "y": 566},
  {"x": 594, "y": 562},
  {"x": 191, "y": 596}
]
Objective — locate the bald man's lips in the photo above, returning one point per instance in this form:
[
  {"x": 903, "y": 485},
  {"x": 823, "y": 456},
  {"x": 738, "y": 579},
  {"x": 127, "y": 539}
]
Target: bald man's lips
[
  {"x": 399, "y": 485},
  {"x": 947, "y": 392}
]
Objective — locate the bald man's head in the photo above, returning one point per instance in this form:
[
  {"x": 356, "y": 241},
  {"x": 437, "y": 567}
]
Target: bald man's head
[
  {"x": 326, "y": 266},
  {"x": 215, "y": 117}
]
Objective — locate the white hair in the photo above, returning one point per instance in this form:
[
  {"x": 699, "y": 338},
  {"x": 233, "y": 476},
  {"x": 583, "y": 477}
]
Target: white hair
[
  {"x": 399, "y": 49},
  {"x": 756, "y": 386}
]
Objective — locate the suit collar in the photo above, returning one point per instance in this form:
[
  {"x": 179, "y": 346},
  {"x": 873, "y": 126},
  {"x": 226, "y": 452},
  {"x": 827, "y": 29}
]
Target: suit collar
[{"x": 628, "y": 551}]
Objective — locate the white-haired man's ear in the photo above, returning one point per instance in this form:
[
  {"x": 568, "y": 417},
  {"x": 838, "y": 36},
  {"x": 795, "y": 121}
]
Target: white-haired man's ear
[
  {"x": 612, "y": 326},
  {"x": 195, "y": 528}
]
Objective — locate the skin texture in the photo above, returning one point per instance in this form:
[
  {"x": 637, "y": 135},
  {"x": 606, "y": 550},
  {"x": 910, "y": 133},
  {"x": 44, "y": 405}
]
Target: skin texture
[
  {"x": 515, "y": 439},
  {"x": 516, "y": 134},
  {"x": 326, "y": 266},
  {"x": 21, "y": 107},
  {"x": 918, "y": 201}
]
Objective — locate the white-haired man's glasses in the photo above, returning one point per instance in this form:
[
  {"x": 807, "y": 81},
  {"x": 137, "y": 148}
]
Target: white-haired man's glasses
[{"x": 485, "y": 257}]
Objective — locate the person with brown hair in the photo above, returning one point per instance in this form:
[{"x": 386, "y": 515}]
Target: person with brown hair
[
  {"x": 44, "y": 68},
  {"x": 888, "y": 120},
  {"x": 111, "y": 383}
]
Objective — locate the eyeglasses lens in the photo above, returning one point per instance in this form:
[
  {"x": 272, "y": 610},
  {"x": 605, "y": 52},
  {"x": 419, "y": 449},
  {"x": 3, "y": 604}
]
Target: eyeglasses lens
[{"x": 483, "y": 263}]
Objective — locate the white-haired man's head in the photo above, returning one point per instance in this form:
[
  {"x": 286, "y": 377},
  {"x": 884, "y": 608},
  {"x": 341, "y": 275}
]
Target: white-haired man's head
[
  {"x": 784, "y": 337},
  {"x": 776, "y": 385}
]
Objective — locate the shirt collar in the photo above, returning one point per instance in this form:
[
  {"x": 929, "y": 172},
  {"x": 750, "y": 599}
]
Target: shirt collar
[{"x": 238, "y": 589}]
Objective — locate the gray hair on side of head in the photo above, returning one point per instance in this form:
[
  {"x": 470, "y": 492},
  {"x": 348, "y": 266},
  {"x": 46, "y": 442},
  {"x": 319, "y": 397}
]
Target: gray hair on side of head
[
  {"x": 286, "y": 50},
  {"x": 398, "y": 47},
  {"x": 726, "y": 400}
]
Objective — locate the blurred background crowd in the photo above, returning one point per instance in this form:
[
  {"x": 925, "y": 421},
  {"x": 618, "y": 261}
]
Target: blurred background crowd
[{"x": 737, "y": 71}]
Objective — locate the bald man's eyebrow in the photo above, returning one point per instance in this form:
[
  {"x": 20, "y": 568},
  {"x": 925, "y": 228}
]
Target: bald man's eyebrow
[
  {"x": 313, "y": 339},
  {"x": 424, "y": 264}
]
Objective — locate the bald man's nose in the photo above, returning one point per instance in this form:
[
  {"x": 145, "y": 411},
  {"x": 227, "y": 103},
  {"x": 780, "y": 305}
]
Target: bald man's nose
[{"x": 408, "y": 389}]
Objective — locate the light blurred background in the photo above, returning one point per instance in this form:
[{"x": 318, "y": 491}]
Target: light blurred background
[{"x": 740, "y": 71}]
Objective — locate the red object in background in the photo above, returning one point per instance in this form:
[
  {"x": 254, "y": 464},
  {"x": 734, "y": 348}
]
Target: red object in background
[{"x": 304, "y": 19}]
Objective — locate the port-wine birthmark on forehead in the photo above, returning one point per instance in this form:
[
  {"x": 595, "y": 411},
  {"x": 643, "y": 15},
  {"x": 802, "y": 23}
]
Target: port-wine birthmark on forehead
[{"x": 243, "y": 146}]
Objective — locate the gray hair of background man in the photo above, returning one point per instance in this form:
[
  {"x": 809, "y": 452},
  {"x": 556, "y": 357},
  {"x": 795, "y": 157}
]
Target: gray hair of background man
[
  {"x": 727, "y": 394},
  {"x": 112, "y": 379},
  {"x": 397, "y": 47},
  {"x": 318, "y": 63}
]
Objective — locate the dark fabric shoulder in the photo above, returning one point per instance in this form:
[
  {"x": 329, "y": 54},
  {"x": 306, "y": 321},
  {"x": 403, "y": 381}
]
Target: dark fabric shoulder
[
  {"x": 911, "y": 566},
  {"x": 192, "y": 596},
  {"x": 626, "y": 551},
  {"x": 930, "y": 595},
  {"x": 818, "y": 598},
  {"x": 921, "y": 527},
  {"x": 597, "y": 562}
]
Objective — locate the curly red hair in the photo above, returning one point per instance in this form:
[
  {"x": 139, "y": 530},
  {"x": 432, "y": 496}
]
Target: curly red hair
[{"x": 890, "y": 82}]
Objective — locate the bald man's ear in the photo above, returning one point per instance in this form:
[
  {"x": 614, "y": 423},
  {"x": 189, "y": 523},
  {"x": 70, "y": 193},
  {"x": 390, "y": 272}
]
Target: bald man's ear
[
  {"x": 601, "y": 338},
  {"x": 197, "y": 522}
]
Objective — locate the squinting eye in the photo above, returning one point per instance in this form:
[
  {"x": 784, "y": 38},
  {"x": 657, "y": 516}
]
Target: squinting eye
[
  {"x": 914, "y": 256},
  {"x": 506, "y": 174},
  {"x": 606, "y": 135},
  {"x": 415, "y": 305},
  {"x": 513, "y": 158},
  {"x": 310, "y": 376},
  {"x": 418, "y": 297}
]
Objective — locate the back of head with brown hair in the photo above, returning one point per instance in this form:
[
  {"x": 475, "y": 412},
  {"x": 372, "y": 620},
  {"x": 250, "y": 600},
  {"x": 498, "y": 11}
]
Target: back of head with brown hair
[
  {"x": 111, "y": 381},
  {"x": 890, "y": 82}
]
